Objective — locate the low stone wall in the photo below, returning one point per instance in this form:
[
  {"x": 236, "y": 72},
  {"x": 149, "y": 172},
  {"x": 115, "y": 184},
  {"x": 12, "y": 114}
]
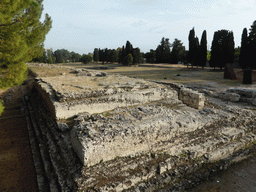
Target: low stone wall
[{"x": 46, "y": 95}]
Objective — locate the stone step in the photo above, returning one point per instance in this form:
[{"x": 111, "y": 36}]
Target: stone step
[
  {"x": 44, "y": 153},
  {"x": 66, "y": 165},
  {"x": 42, "y": 181}
]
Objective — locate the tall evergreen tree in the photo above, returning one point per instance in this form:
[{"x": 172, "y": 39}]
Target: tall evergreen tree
[
  {"x": 222, "y": 50},
  {"x": 128, "y": 48},
  {"x": 193, "y": 47},
  {"x": 163, "y": 52},
  {"x": 96, "y": 55},
  {"x": 150, "y": 56},
  {"x": 202, "y": 52},
  {"x": 123, "y": 55},
  {"x": 178, "y": 51},
  {"x": 196, "y": 58},
  {"x": 243, "y": 58},
  {"x": 21, "y": 37},
  {"x": 137, "y": 56},
  {"x": 252, "y": 46}
]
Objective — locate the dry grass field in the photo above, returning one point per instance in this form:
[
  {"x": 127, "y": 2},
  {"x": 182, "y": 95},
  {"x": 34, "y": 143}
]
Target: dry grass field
[{"x": 168, "y": 73}]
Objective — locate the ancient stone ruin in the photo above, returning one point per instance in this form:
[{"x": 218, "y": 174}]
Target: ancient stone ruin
[{"x": 135, "y": 135}]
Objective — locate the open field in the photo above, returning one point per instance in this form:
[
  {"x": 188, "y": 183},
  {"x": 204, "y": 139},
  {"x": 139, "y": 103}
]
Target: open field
[{"x": 159, "y": 72}]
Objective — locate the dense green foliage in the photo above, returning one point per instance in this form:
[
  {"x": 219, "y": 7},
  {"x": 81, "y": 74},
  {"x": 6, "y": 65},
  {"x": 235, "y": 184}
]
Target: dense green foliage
[
  {"x": 193, "y": 47},
  {"x": 120, "y": 54},
  {"x": 178, "y": 52},
  {"x": 1, "y": 107},
  {"x": 96, "y": 55},
  {"x": 251, "y": 49},
  {"x": 163, "y": 51},
  {"x": 197, "y": 54},
  {"x": 151, "y": 56},
  {"x": 128, "y": 59},
  {"x": 237, "y": 54},
  {"x": 202, "y": 51},
  {"x": 137, "y": 56},
  {"x": 222, "y": 50},
  {"x": 86, "y": 58},
  {"x": 21, "y": 38},
  {"x": 243, "y": 59},
  {"x": 13, "y": 74}
]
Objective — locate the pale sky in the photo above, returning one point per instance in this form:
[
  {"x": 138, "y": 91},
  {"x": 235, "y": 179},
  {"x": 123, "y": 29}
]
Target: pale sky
[{"x": 82, "y": 25}]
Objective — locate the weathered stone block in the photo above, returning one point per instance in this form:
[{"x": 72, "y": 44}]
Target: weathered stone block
[
  {"x": 231, "y": 96},
  {"x": 192, "y": 98}
]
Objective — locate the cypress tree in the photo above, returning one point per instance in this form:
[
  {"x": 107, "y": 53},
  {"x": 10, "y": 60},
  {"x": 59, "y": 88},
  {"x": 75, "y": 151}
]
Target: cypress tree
[
  {"x": 215, "y": 51},
  {"x": 128, "y": 48},
  {"x": 222, "y": 50},
  {"x": 252, "y": 46},
  {"x": 196, "y": 58},
  {"x": 203, "y": 50},
  {"x": 193, "y": 47},
  {"x": 96, "y": 55},
  {"x": 123, "y": 55},
  {"x": 243, "y": 51}
]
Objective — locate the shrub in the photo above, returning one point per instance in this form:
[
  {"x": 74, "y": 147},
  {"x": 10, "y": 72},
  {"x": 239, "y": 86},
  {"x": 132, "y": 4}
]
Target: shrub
[{"x": 13, "y": 74}]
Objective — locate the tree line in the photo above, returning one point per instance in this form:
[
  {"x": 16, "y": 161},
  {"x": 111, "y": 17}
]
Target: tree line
[
  {"x": 127, "y": 55},
  {"x": 62, "y": 56}
]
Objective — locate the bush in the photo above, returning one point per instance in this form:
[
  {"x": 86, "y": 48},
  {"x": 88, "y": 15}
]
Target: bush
[
  {"x": 13, "y": 74},
  {"x": 1, "y": 107}
]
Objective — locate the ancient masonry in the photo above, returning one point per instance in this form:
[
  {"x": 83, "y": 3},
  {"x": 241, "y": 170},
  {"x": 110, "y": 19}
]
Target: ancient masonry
[{"x": 131, "y": 134}]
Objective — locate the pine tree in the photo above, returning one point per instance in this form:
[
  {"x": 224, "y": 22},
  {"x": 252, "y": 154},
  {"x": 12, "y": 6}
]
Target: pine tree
[{"x": 21, "y": 37}]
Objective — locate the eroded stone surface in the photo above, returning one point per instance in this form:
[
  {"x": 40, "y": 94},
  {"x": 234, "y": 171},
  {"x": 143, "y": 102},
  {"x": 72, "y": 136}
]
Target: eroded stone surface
[
  {"x": 71, "y": 94},
  {"x": 154, "y": 140},
  {"x": 192, "y": 98}
]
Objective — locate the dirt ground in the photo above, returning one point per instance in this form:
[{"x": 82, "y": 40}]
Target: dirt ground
[
  {"x": 17, "y": 172},
  {"x": 163, "y": 72},
  {"x": 240, "y": 177}
]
